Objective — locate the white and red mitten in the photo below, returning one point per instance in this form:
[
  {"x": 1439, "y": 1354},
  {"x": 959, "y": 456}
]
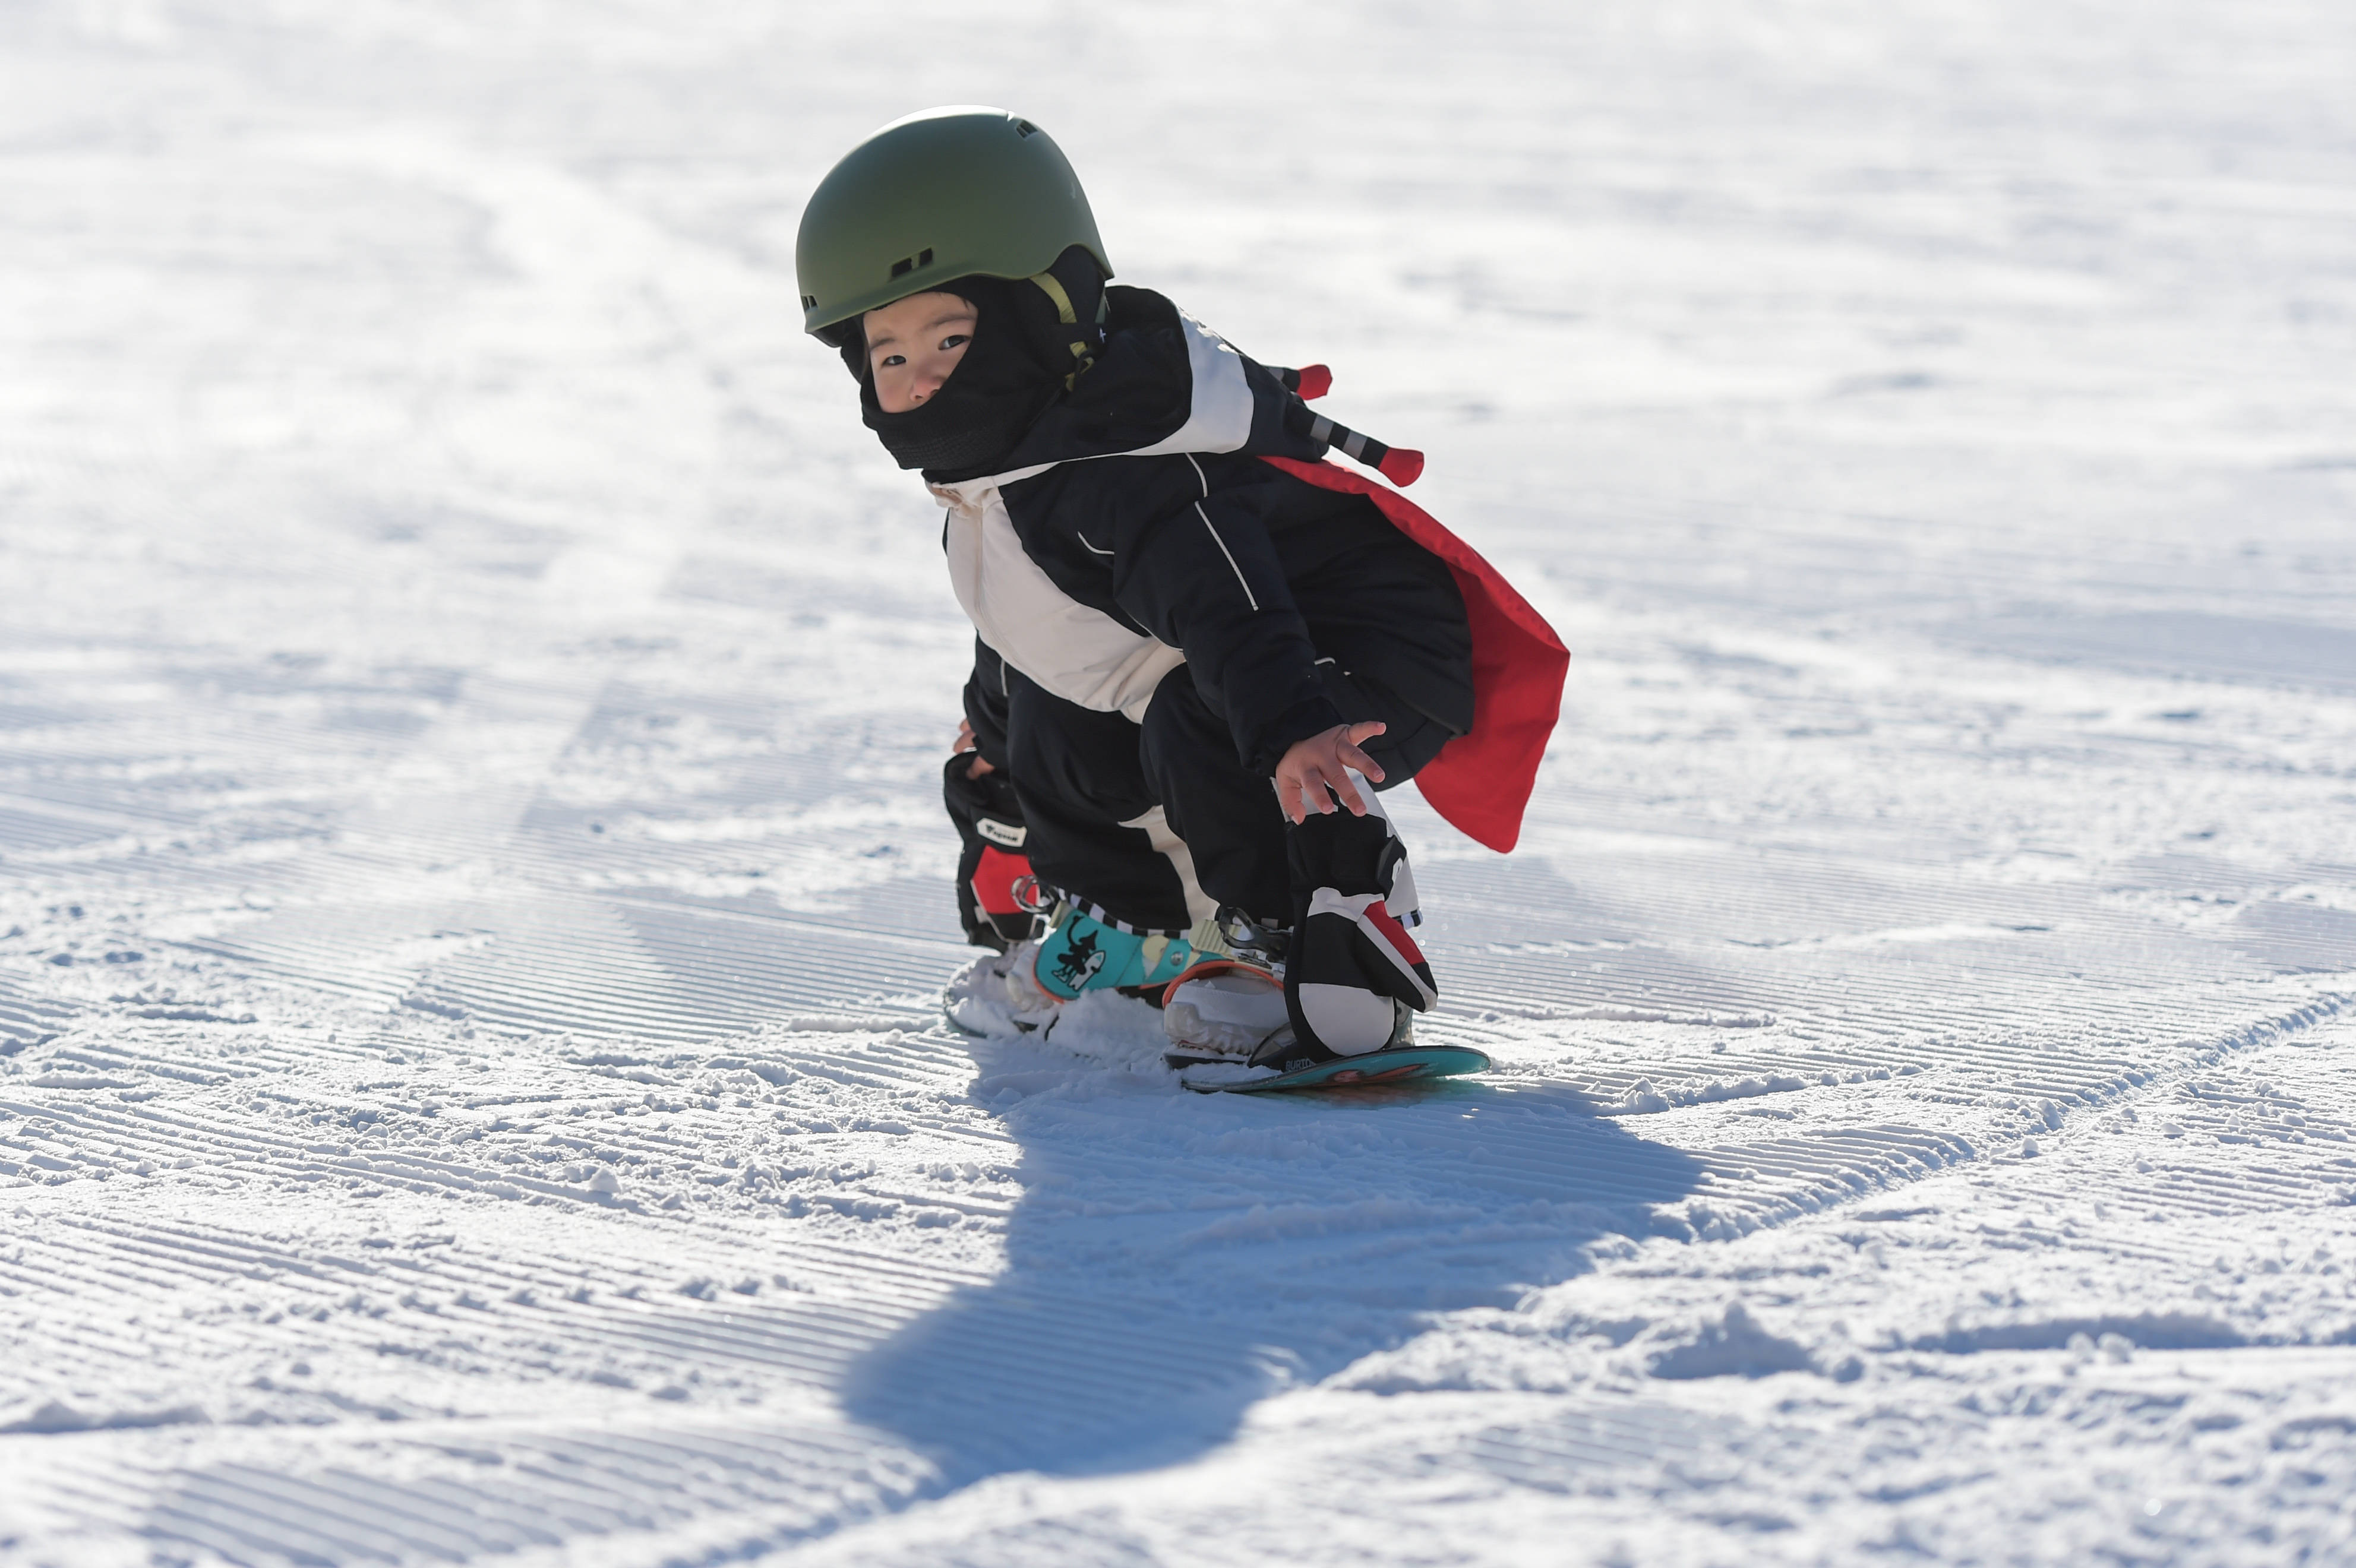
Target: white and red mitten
[{"x": 1352, "y": 964}]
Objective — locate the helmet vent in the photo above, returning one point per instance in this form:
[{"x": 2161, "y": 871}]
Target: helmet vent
[
  {"x": 809, "y": 302},
  {"x": 907, "y": 264},
  {"x": 1024, "y": 128}
]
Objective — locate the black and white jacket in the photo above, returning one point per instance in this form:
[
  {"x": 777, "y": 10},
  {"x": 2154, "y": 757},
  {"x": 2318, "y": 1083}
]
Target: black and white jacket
[{"x": 1135, "y": 528}]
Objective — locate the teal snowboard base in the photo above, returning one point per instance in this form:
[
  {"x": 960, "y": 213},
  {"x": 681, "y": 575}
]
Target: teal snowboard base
[{"x": 1402, "y": 1065}]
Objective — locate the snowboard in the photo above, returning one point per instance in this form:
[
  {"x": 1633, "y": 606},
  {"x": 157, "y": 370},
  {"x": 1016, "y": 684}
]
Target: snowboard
[
  {"x": 968, "y": 1007},
  {"x": 1405, "y": 1064},
  {"x": 951, "y": 1004},
  {"x": 972, "y": 1005}
]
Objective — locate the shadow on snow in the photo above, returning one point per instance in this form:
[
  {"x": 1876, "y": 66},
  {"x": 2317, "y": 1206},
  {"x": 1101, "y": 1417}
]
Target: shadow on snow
[{"x": 1177, "y": 1258}]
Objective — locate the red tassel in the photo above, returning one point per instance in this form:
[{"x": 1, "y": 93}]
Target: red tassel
[
  {"x": 1401, "y": 466},
  {"x": 1316, "y": 380}
]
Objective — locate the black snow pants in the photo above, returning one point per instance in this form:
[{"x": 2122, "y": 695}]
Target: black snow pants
[{"x": 1123, "y": 817}]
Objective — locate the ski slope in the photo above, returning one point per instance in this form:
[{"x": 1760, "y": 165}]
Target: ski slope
[{"x": 473, "y": 887}]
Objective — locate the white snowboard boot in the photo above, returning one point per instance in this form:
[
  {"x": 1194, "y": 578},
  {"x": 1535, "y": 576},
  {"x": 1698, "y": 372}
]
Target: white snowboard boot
[{"x": 1223, "y": 1010}]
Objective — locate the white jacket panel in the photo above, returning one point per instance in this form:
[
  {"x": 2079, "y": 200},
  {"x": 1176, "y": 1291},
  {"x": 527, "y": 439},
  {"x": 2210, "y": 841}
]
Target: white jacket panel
[{"x": 1081, "y": 654}]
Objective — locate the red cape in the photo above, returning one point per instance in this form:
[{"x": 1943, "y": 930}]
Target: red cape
[{"x": 1480, "y": 781}]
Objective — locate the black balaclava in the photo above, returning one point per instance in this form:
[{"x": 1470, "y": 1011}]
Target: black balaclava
[{"x": 1020, "y": 360}]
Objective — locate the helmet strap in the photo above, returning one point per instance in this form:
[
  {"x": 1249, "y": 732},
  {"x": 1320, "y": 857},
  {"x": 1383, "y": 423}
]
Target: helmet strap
[{"x": 1052, "y": 287}]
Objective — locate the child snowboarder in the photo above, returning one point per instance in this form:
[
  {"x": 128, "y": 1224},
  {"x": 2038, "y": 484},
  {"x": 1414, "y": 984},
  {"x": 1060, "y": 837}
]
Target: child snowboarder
[{"x": 1198, "y": 643}]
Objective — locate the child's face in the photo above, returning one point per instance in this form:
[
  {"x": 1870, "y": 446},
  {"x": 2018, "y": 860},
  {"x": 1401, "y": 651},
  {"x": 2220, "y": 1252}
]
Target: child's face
[{"x": 912, "y": 345}]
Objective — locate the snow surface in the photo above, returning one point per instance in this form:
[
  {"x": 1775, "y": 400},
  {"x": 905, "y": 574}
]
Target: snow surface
[{"x": 474, "y": 885}]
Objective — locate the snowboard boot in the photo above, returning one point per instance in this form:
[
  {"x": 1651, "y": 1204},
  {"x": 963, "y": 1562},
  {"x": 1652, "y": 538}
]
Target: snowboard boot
[
  {"x": 1085, "y": 951},
  {"x": 1288, "y": 1051},
  {"x": 1353, "y": 975},
  {"x": 1229, "y": 1003}
]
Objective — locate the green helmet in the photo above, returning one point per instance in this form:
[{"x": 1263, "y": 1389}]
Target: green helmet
[{"x": 944, "y": 194}]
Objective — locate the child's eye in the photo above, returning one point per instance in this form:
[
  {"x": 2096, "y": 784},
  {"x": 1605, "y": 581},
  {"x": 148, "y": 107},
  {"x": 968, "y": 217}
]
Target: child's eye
[
  {"x": 891, "y": 359},
  {"x": 954, "y": 340}
]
